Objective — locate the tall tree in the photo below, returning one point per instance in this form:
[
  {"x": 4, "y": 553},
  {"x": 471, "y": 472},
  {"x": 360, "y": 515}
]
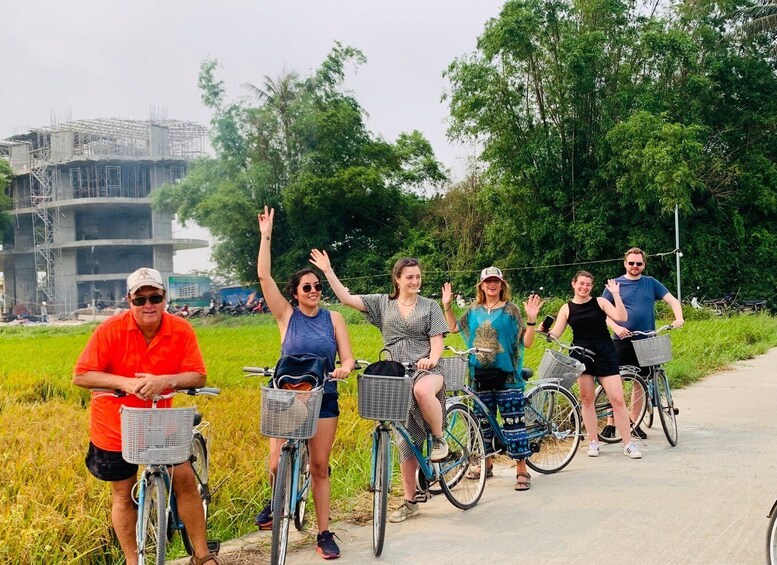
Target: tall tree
[
  {"x": 597, "y": 117},
  {"x": 304, "y": 148}
]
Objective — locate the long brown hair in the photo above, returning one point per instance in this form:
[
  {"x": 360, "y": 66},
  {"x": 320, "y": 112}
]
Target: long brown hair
[{"x": 396, "y": 272}]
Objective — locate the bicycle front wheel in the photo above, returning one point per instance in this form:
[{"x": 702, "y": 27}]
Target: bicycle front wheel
[
  {"x": 666, "y": 410},
  {"x": 199, "y": 461},
  {"x": 553, "y": 425},
  {"x": 281, "y": 509},
  {"x": 380, "y": 489},
  {"x": 771, "y": 537},
  {"x": 634, "y": 395},
  {"x": 303, "y": 486},
  {"x": 152, "y": 520},
  {"x": 466, "y": 449}
]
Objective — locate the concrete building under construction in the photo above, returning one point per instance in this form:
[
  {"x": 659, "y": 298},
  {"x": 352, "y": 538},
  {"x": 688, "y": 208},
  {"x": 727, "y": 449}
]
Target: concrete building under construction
[{"x": 82, "y": 211}]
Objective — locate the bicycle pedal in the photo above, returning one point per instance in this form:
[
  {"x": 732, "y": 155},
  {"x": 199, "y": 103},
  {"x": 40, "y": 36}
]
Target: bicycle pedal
[
  {"x": 422, "y": 496},
  {"x": 676, "y": 411},
  {"x": 214, "y": 546}
]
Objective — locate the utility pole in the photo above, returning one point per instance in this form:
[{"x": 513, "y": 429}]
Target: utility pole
[{"x": 677, "y": 252}]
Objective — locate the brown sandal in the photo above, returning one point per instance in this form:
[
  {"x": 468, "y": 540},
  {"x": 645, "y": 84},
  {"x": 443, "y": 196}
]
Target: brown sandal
[
  {"x": 204, "y": 559},
  {"x": 524, "y": 484}
]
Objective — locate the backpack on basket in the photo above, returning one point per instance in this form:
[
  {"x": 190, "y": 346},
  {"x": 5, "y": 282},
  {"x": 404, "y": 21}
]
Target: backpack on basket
[
  {"x": 299, "y": 372},
  {"x": 385, "y": 368}
]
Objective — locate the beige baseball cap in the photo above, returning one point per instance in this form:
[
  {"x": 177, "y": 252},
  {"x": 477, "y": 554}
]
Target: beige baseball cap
[
  {"x": 144, "y": 277},
  {"x": 491, "y": 272}
]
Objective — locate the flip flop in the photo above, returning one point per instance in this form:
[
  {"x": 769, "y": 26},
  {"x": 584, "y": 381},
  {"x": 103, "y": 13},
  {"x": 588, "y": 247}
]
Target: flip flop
[
  {"x": 524, "y": 484},
  {"x": 474, "y": 473}
]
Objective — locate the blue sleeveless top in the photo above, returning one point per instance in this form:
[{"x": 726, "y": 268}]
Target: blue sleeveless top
[{"x": 315, "y": 336}]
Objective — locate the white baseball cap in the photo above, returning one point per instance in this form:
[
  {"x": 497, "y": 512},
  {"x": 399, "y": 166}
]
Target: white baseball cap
[
  {"x": 144, "y": 277},
  {"x": 491, "y": 272}
]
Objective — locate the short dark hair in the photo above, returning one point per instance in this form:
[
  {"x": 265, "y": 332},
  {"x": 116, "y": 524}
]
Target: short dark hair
[
  {"x": 583, "y": 274},
  {"x": 636, "y": 251}
]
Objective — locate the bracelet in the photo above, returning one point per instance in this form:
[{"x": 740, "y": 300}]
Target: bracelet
[{"x": 531, "y": 323}]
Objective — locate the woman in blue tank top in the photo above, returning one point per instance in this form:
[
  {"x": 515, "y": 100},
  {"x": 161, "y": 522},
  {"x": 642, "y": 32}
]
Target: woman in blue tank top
[
  {"x": 587, "y": 316},
  {"x": 307, "y": 328}
]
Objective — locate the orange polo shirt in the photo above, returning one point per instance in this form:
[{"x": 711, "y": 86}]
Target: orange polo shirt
[{"x": 117, "y": 346}]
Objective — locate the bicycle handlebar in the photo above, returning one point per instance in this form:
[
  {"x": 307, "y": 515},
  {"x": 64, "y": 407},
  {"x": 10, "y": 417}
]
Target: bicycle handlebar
[
  {"x": 569, "y": 347},
  {"x": 208, "y": 391},
  {"x": 470, "y": 351},
  {"x": 654, "y": 333}
]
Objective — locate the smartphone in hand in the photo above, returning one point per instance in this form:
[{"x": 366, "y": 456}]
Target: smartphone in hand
[{"x": 546, "y": 324}]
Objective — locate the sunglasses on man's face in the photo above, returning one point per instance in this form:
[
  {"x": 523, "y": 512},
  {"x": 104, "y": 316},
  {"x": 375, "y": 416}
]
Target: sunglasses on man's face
[
  {"x": 153, "y": 299},
  {"x": 307, "y": 287},
  {"x": 635, "y": 263}
]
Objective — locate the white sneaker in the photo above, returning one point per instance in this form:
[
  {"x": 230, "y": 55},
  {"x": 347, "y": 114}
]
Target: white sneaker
[
  {"x": 593, "y": 449},
  {"x": 632, "y": 451}
]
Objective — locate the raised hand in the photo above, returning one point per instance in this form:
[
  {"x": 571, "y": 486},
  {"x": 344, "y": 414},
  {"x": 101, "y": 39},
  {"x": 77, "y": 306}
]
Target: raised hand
[
  {"x": 447, "y": 295},
  {"x": 320, "y": 259},
  {"x": 266, "y": 221},
  {"x": 613, "y": 286},
  {"x": 532, "y": 306}
]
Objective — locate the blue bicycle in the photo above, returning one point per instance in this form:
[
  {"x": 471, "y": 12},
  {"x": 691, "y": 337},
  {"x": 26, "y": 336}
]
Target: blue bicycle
[
  {"x": 160, "y": 438},
  {"x": 386, "y": 399},
  {"x": 291, "y": 415},
  {"x": 551, "y": 412}
]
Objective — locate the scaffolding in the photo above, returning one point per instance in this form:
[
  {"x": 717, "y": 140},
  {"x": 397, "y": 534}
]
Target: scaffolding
[
  {"x": 116, "y": 137},
  {"x": 93, "y": 158},
  {"x": 48, "y": 257}
]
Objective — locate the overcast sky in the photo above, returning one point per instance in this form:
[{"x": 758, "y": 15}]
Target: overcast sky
[{"x": 118, "y": 59}]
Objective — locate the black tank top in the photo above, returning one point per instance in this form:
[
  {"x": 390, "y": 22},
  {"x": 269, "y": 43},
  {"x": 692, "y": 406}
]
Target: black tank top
[{"x": 588, "y": 322}]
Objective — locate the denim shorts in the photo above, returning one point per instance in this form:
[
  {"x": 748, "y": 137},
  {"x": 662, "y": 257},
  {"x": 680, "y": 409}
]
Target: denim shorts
[{"x": 329, "y": 406}]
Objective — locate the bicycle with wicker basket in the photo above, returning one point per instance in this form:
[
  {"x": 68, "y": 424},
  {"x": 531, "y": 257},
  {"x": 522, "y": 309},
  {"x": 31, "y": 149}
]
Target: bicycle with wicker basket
[
  {"x": 160, "y": 438},
  {"x": 386, "y": 399},
  {"x": 654, "y": 391},
  {"x": 551, "y": 411},
  {"x": 290, "y": 414}
]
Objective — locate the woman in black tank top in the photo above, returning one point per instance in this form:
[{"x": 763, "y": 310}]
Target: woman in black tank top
[{"x": 587, "y": 316}]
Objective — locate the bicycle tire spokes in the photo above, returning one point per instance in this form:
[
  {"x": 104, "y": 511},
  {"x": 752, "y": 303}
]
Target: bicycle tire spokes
[
  {"x": 465, "y": 441},
  {"x": 553, "y": 428}
]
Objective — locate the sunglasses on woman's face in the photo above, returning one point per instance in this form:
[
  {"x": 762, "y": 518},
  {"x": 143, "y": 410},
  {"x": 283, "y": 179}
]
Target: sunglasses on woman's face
[
  {"x": 153, "y": 299},
  {"x": 307, "y": 287}
]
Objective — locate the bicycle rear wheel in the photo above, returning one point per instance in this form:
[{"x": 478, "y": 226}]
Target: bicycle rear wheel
[
  {"x": 303, "y": 486},
  {"x": 199, "y": 461},
  {"x": 666, "y": 411},
  {"x": 634, "y": 393},
  {"x": 553, "y": 424},
  {"x": 380, "y": 488},
  {"x": 466, "y": 449},
  {"x": 281, "y": 508},
  {"x": 152, "y": 520}
]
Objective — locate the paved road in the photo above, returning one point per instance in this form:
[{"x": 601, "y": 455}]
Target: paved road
[{"x": 704, "y": 501}]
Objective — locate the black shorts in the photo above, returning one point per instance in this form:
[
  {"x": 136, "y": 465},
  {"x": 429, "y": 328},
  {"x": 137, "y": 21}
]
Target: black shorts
[
  {"x": 108, "y": 465},
  {"x": 604, "y": 363},
  {"x": 627, "y": 355}
]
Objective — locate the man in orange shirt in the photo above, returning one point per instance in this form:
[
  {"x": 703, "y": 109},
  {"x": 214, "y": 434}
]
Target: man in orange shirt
[{"x": 143, "y": 352}]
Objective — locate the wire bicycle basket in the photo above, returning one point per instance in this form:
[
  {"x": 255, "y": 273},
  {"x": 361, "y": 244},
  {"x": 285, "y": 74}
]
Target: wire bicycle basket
[
  {"x": 290, "y": 414},
  {"x": 156, "y": 436},
  {"x": 559, "y": 367},
  {"x": 384, "y": 398},
  {"x": 653, "y": 350},
  {"x": 455, "y": 371}
]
